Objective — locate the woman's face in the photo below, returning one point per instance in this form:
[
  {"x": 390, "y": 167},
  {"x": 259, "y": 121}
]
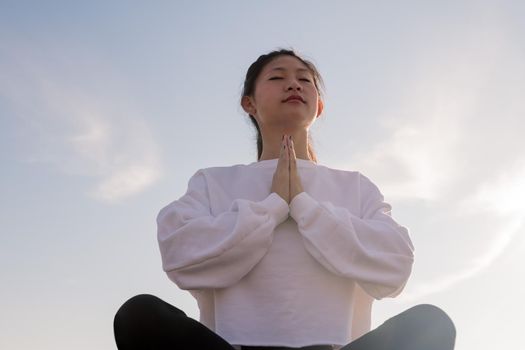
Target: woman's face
[{"x": 281, "y": 78}]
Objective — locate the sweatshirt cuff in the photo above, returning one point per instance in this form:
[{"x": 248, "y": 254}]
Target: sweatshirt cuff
[
  {"x": 277, "y": 207},
  {"x": 299, "y": 205}
]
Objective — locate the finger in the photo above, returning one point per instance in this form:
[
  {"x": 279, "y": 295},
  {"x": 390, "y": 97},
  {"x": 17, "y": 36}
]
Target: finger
[
  {"x": 293, "y": 158},
  {"x": 283, "y": 153},
  {"x": 286, "y": 147},
  {"x": 286, "y": 141},
  {"x": 283, "y": 145}
]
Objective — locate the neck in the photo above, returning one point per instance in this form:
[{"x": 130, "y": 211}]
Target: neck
[{"x": 272, "y": 143}]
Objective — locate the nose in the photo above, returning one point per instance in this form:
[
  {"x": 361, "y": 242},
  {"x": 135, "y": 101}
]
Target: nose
[{"x": 294, "y": 85}]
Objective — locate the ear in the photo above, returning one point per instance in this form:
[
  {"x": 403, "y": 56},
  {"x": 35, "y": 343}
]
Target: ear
[
  {"x": 248, "y": 105},
  {"x": 320, "y": 107}
]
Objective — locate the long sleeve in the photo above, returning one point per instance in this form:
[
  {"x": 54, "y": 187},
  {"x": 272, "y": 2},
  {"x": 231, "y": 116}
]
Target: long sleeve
[
  {"x": 200, "y": 250},
  {"x": 373, "y": 249}
]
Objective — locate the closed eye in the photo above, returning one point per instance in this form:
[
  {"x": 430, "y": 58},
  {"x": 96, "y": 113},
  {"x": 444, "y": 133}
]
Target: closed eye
[{"x": 302, "y": 79}]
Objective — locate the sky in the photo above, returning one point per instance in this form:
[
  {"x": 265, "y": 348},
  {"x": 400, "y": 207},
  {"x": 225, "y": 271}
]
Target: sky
[{"x": 108, "y": 107}]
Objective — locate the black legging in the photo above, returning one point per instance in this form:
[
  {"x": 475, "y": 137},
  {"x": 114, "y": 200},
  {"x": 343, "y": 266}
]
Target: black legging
[{"x": 147, "y": 322}]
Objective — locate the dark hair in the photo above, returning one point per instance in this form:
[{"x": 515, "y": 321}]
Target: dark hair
[{"x": 249, "y": 88}]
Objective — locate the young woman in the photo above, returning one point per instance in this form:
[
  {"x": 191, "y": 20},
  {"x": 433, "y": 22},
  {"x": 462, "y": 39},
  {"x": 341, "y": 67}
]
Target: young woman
[{"x": 282, "y": 253}]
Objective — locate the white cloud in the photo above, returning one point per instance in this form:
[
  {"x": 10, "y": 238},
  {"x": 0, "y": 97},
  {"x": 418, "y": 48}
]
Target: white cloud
[
  {"x": 67, "y": 122},
  {"x": 501, "y": 196},
  {"x": 504, "y": 194},
  {"x": 125, "y": 182},
  {"x": 473, "y": 265},
  {"x": 450, "y": 140},
  {"x": 415, "y": 162}
]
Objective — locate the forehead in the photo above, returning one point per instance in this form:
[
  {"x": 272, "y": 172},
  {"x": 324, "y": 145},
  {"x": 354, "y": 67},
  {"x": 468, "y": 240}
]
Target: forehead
[{"x": 285, "y": 62}]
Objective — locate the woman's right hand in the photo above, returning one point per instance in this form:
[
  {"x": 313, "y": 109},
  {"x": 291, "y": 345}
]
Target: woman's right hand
[{"x": 281, "y": 177}]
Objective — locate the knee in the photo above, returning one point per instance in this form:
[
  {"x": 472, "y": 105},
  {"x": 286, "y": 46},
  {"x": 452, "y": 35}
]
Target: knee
[
  {"x": 138, "y": 309},
  {"x": 141, "y": 319},
  {"x": 432, "y": 313},
  {"x": 133, "y": 315},
  {"x": 136, "y": 305},
  {"x": 434, "y": 320},
  {"x": 142, "y": 305}
]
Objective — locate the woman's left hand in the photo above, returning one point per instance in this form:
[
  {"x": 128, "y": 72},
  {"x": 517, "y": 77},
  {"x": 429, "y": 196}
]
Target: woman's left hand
[{"x": 296, "y": 186}]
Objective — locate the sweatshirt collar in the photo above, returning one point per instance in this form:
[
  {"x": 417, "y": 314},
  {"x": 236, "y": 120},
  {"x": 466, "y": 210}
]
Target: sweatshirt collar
[{"x": 301, "y": 163}]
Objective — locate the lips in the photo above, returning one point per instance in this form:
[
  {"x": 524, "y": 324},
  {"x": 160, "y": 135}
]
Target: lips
[{"x": 294, "y": 97}]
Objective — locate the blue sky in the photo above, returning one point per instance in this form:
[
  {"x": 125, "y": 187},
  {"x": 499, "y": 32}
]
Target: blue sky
[{"x": 107, "y": 109}]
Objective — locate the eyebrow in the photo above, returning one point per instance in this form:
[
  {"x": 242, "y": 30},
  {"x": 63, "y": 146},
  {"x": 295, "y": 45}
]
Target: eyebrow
[{"x": 297, "y": 70}]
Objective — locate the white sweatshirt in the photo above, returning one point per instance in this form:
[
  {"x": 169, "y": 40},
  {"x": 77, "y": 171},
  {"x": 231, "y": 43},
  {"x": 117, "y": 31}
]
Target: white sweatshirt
[{"x": 267, "y": 273}]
